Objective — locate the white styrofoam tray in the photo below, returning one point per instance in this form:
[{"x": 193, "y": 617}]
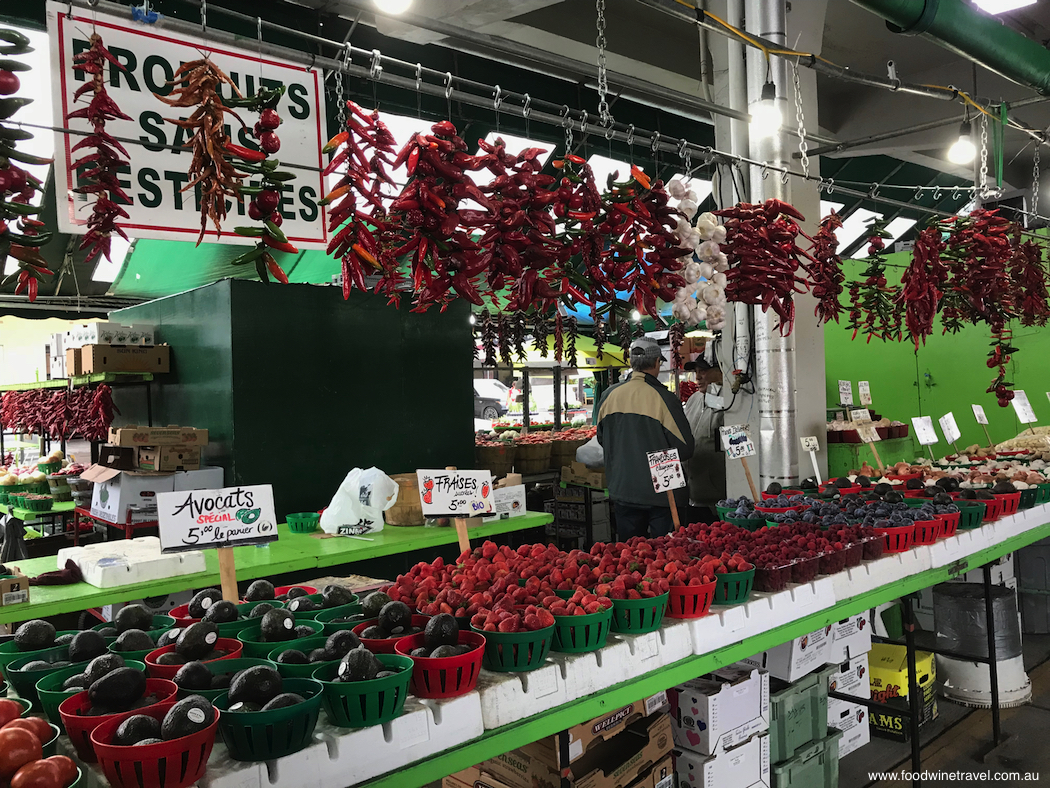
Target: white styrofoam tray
[{"x": 121, "y": 563}]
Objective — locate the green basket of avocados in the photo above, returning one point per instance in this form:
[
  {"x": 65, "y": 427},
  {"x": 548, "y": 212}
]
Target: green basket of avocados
[
  {"x": 265, "y": 734},
  {"x": 39, "y": 665},
  {"x": 258, "y": 643},
  {"x": 360, "y": 704},
  {"x": 222, "y": 672},
  {"x": 342, "y": 617},
  {"x": 305, "y": 646},
  {"x": 50, "y": 693},
  {"x": 32, "y": 639}
]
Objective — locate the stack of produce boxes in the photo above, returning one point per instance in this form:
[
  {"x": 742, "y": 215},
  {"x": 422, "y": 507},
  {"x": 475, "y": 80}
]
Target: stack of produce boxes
[
  {"x": 720, "y": 724},
  {"x": 848, "y": 653},
  {"x": 888, "y": 672},
  {"x": 630, "y": 746}
]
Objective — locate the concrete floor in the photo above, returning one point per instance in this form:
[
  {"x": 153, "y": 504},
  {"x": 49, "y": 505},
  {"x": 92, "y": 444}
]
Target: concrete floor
[{"x": 951, "y": 743}]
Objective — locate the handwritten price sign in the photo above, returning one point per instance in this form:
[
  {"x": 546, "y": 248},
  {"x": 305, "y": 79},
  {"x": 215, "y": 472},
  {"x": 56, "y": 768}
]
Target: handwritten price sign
[
  {"x": 202, "y": 519},
  {"x": 949, "y": 427},
  {"x": 666, "y": 470},
  {"x": 455, "y": 493},
  {"x": 736, "y": 442}
]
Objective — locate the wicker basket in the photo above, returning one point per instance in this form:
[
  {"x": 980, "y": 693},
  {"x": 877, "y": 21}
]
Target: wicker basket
[
  {"x": 563, "y": 453},
  {"x": 497, "y": 460},
  {"x": 533, "y": 458},
  {"x": 408, "y": 510}
]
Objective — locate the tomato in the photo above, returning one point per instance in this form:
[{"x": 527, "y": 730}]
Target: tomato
[
  {"x": 17, "y": 748},
  {"x": 9, "y": 710},
  {"x": 35, "y": 725},
  {"x": 67, "y": 770},
  {"x": 38, "y": 774}
]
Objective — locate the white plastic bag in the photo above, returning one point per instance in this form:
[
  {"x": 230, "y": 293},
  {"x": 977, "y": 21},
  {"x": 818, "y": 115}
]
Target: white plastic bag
[
  {"x": 591, "y": 454},
  {"x": 359, "y": 503}
]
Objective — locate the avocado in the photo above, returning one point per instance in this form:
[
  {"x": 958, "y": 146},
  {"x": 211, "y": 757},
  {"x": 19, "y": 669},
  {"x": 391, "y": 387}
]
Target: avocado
[
  {"x": 358, "y": 665},
  {"x": 245, "y": 706},
  {"x": 422, "y": 651},
  {"x": 188, "y": 716},
  {"x": 305, "y": 631},
  {"x": 193, "y": 676},
  {"x": 882, "y": 488},
  {"x": 292, "y": 656},
  {"x": 222, "y": 681},
  {"x": 863, "y": 481},
  {"x": 259, "y": 591},
  {"x": 118, "y": 689},
  {"x": 261, "y": 610},
  {"x": 303, "y": 604},
  {"x": 442, "y": 630},
  {"x": 196, "y": 640},
  {"x": 134, "y": 640},
  {"x": 913, "y": 484},
  {"x": 35, "y": 635},
  {"x": 65, "y": 640},
  {"x": 395, "y": 617},
  {"x": 1003, "y": 488},
  {"x": 842, "y": 481},
  {"x": 62, "y": 663},
  {"x": 942, "y": 499},
  {"x": 171, "y": 658},
  {"x": 341, "y": 643},
  {"x": 168, "y": 638},
  {"x": 277, "y": 625},
  {"x": 107, "y": 632},
  {"x": 257, "y": 684},
  {"x": 894, "y": 497},
  {"x": 214, "y": 654},
  {"x": 319, "y": 655},
  {"x": 133, "y": 617},
  {"x": 283, "y": 701},
  {"x": 295, "y": 592},
  {"x": 373, "y": 603},
  {"x": 202, "y": 600},
  {"x": 444, "y": 651},
  {"x": 774, "y": 488},
  {"x": 100, "y": 666},
  {"x": 336, "y": 596},
  {"x": 145, "y": 742},
  {"x": 464, "y": 648},
  {"x": 36, "y": 664},
  {"x": 136, "y": 728},
  {"x": 86, "y": 645},
  {"x": 969, "y": 495},
  {"x": 77, "y": 683},
  {"x": 385, "y": 674},
  {"x": 375, "y": 633},
  {"x": 221, "y": 612}
]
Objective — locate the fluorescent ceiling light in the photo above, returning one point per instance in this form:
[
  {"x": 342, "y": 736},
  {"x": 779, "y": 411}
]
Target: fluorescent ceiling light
[
  {"x": 898, "y": 227},
  {"x": 827, "y": 206},
  {"x": 109, "y": 270},
  {"x": 1002, "y": 6},
  {"x": 393, "y": 6},
  {"x": 853, "y": 227}
]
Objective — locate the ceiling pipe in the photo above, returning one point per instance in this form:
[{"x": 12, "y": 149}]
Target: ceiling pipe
[{"x": 960, "y": 28}]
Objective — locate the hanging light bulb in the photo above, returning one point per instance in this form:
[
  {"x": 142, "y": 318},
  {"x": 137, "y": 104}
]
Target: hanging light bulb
[
  {"x": 765, "y": 114},
  {"x": 962, "y": 150},
  {"x": 636, "y": 316},
  {"x": 393, "y": 6}
]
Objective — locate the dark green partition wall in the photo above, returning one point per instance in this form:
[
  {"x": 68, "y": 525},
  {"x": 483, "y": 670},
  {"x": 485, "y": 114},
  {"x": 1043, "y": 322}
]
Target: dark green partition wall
[{"x": 297, "y": 386}]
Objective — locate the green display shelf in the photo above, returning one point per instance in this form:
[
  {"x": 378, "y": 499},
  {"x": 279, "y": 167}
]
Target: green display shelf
[
  {"x": 290, "y": 553},
  {"x": 501, "y": 740},
  {"x": 25, "y": 514},
  {"x": 82, "y": 380}
]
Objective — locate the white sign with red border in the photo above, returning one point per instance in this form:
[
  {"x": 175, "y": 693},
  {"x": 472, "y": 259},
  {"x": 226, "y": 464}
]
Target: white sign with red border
[
  {"x": 666, "y": 470},
  {"x": 446, "y": 493},
  {"x": 150, "y": 55}
]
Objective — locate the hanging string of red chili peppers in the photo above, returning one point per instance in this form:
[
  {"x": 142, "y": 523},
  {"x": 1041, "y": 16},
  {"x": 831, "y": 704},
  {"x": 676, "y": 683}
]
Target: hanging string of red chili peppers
[
  {"x": 21, "y": 234},
  {"x": 873, "y": 307},
  {"x": 921, "y": 285},
  {"x": 825, "y": 272},
  {"x": 1028, "y": 277},
  {"x": 998, "y": 358}
]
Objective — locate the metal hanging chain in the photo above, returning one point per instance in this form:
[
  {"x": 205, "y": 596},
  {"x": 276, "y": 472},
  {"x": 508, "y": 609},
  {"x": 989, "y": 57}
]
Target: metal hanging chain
[
  {"x": 803, "y": 146},
  {"x": 982, "y": 183},
  {"x": 340, "y": 102},
  {"x": 603, "y": 77},
  {"x": 566, "y": 123},
  {"x": 1035, "y": 182}
]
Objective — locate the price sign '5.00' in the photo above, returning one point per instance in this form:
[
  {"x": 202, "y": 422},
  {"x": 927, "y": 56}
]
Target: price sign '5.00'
[
  {"x": 455, "y": 493},
  {"x": 201, "y": 519},
  {"x": 666, "y": 470},
  {"x": 736, "y": 442}
]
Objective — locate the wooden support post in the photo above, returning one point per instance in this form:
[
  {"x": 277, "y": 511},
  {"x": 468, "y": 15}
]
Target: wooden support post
[
  {"x": 989, "y": 437},
  {"x": 228, "y": 575},
  {"x": 878, "y": 459},
  {"x": 750, "y": 482},
  {"x": 461, "y": 525},
  {"x": 674, "y": 510}
]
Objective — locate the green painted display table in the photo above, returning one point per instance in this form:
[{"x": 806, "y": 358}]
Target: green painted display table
[
  {"x": 290, "y": 553},
  {"x": 25, "y": 514}
]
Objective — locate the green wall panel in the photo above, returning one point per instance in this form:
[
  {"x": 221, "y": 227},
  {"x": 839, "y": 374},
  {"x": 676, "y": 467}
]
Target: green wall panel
[{"x": 948, "y": 373}]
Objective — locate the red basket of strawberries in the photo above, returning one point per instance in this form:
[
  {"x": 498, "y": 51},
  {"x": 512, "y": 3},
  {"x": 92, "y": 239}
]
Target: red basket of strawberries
[{"x": 693, "y": 589}]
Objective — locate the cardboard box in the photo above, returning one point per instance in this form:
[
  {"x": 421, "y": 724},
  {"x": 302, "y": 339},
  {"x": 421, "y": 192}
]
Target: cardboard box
[
  {"x": 74, "y": 364},
  {"x": 117, "y": 491},
  {"x": 888, "y": 676},
  {"x": 578, "y": 473},
  {"x": 851, "y": 678},
  {"x": 850, "y": 637},
  {"x": 744, "y": 766},
  {"x": 172, "y": 435},
  {"x": 795, "y": 659},
  {"x": 119, "y": 457},
  {"x": 210, "y": 477},
  {"x": 169, "y": 458},
  {"x": 721, "y": 710},
  {"x": 14, "y": 590},
  {"x": 106, "y": 333},
  {"x": 566, "y": 748},
  {"x": 852, "y": 720},
  {"x": 507, "y": 502},
  {"x": 125, "y": 358}
]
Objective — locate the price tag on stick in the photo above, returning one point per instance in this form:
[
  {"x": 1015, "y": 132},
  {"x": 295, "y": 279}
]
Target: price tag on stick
[
  {"x": 845, "y": 392},
  {"x": 666, "y": 471},
  {"x": 1023, "y": 408},
  {"x": 812, "y": 445},
  {"x": 950, "y": 429},
  {"x": 458, "y": 494},
  {"x": 982, "y": 419},
  {"x": 864, "y": 390},
  {"x": 221, "y": 519},
  {"x": 738, "y": 446},
  {"x": 924, "y": 432}
]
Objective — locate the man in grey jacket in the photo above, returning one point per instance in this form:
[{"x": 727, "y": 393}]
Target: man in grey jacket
[{"x": 636, "y": 417}]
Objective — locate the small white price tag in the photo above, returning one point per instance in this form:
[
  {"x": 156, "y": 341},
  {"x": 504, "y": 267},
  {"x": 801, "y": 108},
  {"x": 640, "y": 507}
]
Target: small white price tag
[
  {"x": 949, "y": 427},
  {"x": 860, "y": 414},
  {"x": 845, "y": 392},
  {"x": 810, "y": 444},
  {"x": 736, "y": 442},
  {"x": 867, "y": 432},
  {"x": 864, "y": 390},
  {"x": 666, "y": 470},
  {"x": 1023, "y": 408},
  {"x": 979, "y": 414},
  {"x": 924, "y": 431}
]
